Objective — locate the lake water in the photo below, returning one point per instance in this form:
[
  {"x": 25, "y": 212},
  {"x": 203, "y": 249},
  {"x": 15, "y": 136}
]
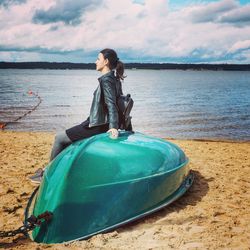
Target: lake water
[{"x": 167, "y": 103}]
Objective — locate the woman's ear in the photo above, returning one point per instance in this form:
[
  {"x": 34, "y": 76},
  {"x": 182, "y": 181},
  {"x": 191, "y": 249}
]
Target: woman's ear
[{"x": 106, "y": 62}]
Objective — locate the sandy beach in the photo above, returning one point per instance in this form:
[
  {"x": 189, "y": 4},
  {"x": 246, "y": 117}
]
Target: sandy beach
[{"x": 213, "y": 214}]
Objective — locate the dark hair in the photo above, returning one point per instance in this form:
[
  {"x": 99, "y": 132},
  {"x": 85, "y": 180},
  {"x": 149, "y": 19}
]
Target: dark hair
[{"x": 114, "y": 62}]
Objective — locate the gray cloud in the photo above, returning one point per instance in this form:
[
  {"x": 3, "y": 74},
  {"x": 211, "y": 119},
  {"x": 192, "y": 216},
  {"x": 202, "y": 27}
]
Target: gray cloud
[
  {"x": 239, "y": 16},
  {"x": 227, "y": 11},
  {"x": 211, "y": 12},
  {"x": 7, "y": 3},
  {"x": 36, "y": 49},
  {"x": 65, "y": 11},
  {"x": 141, "y": 15}
]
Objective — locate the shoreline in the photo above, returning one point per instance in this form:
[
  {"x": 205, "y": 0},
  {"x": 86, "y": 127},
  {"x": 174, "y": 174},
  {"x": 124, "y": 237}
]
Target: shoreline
[
  {"x": 213, "y": 214},
  {"x": 164, "y": 138}
]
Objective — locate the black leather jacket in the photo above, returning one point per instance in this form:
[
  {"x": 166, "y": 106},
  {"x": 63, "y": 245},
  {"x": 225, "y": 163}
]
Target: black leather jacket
[{"x": 104, "y": 109}]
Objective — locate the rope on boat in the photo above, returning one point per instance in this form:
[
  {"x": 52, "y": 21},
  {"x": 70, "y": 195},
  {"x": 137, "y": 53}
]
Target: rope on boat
[
  {"x": 32, "y": 222},
  {"x": 4, "y": 124}
]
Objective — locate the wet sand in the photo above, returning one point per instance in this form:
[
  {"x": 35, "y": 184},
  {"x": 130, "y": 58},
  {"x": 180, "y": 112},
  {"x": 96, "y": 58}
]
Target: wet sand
[{"x": 213, "y": 214}]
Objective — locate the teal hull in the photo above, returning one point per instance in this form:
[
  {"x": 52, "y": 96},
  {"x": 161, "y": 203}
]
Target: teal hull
[{"x": 98, "y": 184}]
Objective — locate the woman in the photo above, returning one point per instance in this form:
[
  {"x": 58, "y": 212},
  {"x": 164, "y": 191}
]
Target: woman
[{"x": 103, "y": 113}]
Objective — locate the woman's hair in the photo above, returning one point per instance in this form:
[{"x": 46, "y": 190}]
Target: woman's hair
[{"x": 114, "y": 62}]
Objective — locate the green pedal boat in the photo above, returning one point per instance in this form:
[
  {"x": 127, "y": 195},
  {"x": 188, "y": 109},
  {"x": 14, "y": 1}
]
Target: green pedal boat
[{"x": 98, "y": 184}]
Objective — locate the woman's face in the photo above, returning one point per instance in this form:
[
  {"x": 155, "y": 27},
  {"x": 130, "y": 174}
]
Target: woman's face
[{"x": 101, "y": 63}]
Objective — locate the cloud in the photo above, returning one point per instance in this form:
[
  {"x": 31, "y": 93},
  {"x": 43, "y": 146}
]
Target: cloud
[
  {"x": 239, "y": 16},
  {"x": 10, "y": 56},
  {"x": 66, "y": 11},
  {"x": 37, "y": 49},
  {"x": 7, "y": 3},
  {"x": 142, "y": 32},
  {"x": 240, "y": 46},
  {"x": 209, "y": 12},
  {"x": 226, "y": 11}
]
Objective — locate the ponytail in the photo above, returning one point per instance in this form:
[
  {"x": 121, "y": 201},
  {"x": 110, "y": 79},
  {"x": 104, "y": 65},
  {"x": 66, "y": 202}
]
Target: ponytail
[
  {"x": 114, "y": 63},
  {"x": 120, "y": 70}
]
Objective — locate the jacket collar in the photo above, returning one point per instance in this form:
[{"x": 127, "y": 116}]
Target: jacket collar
[{"x": 110, "y": 73}]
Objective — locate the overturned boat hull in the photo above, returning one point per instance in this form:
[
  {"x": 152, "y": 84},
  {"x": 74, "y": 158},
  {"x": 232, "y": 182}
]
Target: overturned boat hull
[{"x": 98, "y": 184}]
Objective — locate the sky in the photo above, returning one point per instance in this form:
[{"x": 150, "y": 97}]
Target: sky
[{"x": 155, "y": 31}]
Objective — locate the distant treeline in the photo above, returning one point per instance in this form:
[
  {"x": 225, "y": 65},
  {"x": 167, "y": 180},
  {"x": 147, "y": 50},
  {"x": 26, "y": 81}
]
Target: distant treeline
[{"x": 65, "y": 65}]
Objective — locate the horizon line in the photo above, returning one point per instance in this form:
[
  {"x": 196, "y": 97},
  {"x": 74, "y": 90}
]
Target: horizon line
[{"x": 184, "y": 63}]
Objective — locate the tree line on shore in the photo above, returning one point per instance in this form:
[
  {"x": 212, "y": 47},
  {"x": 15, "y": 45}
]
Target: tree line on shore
[{"x": 156, "y": 66}]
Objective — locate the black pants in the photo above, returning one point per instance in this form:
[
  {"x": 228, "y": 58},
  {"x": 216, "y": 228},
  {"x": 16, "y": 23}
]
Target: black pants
[
  {"x": 83, "y": 131},
  {"x": 78, "y": 132}
]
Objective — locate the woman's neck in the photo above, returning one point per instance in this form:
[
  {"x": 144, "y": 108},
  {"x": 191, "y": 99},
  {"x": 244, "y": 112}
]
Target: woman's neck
[{"x": 105, "y": 70}]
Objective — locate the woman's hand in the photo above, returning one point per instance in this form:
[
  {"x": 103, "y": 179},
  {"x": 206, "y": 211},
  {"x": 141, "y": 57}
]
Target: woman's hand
[{"x": 113, "y": 133}]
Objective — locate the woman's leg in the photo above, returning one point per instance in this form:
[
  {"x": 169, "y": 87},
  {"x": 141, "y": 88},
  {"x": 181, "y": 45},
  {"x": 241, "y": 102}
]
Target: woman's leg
[
  {"x": 64, "y": 139},
  {"x": 61, "y": 142}
]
